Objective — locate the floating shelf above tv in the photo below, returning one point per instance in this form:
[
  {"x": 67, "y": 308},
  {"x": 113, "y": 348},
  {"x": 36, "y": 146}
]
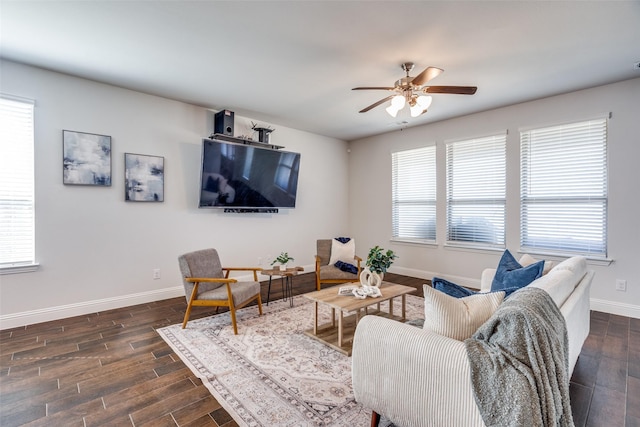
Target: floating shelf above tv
[{"x": 227, "y": 138}]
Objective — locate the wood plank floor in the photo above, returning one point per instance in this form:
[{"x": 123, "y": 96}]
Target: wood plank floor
[{"x": 112, "y": 368}]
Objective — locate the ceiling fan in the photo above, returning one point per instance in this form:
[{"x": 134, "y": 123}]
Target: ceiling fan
[{"x": 410, "y": 90}]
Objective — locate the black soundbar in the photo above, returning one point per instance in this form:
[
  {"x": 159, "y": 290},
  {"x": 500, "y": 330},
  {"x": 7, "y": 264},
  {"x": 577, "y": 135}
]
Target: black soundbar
[{"x": 251, "y": 210}]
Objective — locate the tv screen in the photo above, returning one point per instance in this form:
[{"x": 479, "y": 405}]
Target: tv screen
[{"x": 236, "y": 175}]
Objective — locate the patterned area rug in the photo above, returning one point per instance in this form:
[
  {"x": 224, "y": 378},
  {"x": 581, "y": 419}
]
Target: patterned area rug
[{"x": 271, "y": 374}]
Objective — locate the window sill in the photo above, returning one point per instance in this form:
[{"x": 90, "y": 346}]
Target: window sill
[
  {"x": 413, "y": 242},
  {"x": 559, "y": 257},
  {"x": 471, "y": 248},
  {"x": 17, "y": 269}
]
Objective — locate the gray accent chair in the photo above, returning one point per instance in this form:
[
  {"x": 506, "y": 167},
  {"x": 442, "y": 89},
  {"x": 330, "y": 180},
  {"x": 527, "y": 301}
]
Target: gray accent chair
[
  {"x": 330, "y": 274},
  {"x": 207, "y": 283}
]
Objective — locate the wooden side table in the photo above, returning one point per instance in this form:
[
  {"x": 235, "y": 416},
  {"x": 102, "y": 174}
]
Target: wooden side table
[{"x": 286, "y": 280}]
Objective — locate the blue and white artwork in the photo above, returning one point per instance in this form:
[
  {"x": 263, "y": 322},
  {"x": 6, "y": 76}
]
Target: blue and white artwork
[
  {"x": 144, "y": 178},
  {"x": 86, "y": 158}
]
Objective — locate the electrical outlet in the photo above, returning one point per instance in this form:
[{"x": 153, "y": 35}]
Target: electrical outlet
[
  {"x": 156, "y": 274},
  {"x": 621, "y": 285}
]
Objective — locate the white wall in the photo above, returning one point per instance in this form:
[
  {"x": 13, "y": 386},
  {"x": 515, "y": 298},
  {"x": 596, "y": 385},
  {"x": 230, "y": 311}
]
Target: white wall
[
  {"x": 370, "y": 187},
  {"x": 97, "y": 251}
]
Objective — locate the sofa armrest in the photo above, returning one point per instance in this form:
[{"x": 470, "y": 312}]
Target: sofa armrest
[
  {"x": 577, "y": 313},
  {"x": 410, "y": 375},
  {"x": 486, "y": 279}
]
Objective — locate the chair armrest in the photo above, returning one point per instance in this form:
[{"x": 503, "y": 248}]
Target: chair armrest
[
  {"x": 411, "y": 375},
  {"x": 358, "y": 260},
  {"x": 255, "y": 270},
  {"x": 318, "y": 261},
  {"x": 242, "y": 268},
  {"x": 209, "y": 280}
]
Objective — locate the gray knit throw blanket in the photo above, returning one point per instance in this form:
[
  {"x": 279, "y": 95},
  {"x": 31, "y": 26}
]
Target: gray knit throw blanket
[{"x": 520, "y": 362}]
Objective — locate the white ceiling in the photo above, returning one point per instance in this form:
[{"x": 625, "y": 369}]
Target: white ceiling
[{"x": 294, "y": 62}]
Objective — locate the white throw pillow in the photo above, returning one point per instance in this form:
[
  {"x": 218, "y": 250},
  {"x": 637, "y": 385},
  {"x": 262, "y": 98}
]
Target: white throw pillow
[
  {"x": 457, "y": 318},
  {"x": 344, "y": 252}
]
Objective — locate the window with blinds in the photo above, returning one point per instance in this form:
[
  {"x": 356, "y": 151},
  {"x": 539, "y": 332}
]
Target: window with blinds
[
  {"x": 16, "y": 183},
  {"x": 563, "y": 197},
  {"x": 476, "y": 180},
  {"x": 413, "y": 198}
]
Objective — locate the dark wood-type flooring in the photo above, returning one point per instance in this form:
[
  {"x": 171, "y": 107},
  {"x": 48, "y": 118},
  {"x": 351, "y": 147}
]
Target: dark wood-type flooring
[{"x": 112, "y": 368}]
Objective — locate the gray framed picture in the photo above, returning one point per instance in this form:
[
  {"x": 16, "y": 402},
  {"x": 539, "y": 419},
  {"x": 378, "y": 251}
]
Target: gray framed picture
[
  {"x": 86, "y": 158},
  {"x": 143, "y": 178}
]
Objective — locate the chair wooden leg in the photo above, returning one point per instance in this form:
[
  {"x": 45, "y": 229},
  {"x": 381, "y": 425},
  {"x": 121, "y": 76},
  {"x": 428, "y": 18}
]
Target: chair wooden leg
[
  {"x": 233, "y": 320},
  {"x": 375, "y": 419},
  {"x": 260, "y": 304},
  {"x": 317, "y": 281},
  {"x": 187, "y": 313},
  {"x": 192, "y": 298}
]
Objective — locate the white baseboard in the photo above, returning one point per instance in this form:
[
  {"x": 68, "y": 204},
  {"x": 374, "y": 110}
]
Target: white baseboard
[
  {"x": 618, "y": 308},
  {"x": 15, "y": 320}
]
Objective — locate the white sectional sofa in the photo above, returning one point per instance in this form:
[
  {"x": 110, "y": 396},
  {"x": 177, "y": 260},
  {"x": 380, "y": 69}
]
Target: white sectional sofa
[{"x": 415, "y": 377}]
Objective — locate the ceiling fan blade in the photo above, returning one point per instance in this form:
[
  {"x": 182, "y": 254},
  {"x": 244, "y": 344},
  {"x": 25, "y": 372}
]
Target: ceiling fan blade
[
  {"x": 375, "y": 104},
  {"x": 457, "y": 90},
  {"x": 428, "y": 74},
  {"x": 373, "y": 88}
]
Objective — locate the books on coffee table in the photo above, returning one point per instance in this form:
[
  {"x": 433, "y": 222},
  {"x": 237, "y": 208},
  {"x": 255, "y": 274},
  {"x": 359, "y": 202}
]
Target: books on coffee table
[{"x": 346, "y": 290}]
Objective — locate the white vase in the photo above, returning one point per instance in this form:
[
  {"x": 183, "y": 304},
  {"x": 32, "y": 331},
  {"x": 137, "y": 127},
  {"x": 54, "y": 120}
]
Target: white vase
[
  {"x": 370, "y": 278},
  {"x": 283, "y": 267}
]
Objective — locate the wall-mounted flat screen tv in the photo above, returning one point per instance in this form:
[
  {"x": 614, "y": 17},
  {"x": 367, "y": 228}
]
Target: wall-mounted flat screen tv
[{"x": 236, "y": 175}]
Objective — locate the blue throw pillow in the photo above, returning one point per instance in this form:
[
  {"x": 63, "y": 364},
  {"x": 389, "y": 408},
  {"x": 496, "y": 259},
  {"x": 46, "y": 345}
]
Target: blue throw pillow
[
  {"x": 450, "y": 288},
  {"x": 349, "y": 268},
  {"x": 511, "y": 276}
]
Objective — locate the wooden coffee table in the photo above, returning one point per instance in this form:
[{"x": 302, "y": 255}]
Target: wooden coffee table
[{"x": 340, "y": 336}]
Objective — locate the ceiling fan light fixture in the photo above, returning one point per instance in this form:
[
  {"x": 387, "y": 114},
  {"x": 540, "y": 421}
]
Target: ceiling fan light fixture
[
  {"x": 416, "y": 110},
  {"x": 398, "y": 102},
  {"x": 420, "y": 105},
  {"x": 424, "y": 101},
  {"x": 393, "y": 111},
  {"x": 406, "y": 91}
]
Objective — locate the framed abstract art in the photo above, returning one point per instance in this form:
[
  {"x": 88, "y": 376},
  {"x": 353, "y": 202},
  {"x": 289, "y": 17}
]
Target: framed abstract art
[
  {"x": 86, "y": 158},
  {"x": 144, "y": 178}
]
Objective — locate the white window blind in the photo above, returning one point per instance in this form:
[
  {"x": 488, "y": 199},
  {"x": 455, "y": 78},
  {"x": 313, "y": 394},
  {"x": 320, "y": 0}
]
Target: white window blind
[
  {"x": 16, "y": 183},
  {"x": 413, "y": 198},
  {"x": 564, "y": 188},
  {"x": 476, "y": 176}
]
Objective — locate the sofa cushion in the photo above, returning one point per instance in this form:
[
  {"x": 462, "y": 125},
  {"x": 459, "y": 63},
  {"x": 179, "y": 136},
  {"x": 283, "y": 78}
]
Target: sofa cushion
[
  {"x": 511, "y": 276},
  {"x": 457, "y": 318},
  {"x": 344, "y": 252},
  {"x": 526, "y": 260},
  {"x": 562, "y": 279},
  {"x": 332, "y": 272}
]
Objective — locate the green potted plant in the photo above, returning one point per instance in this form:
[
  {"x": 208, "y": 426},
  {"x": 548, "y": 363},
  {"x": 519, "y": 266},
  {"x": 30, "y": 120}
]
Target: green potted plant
[
  {"x": 282, "y": 259},
  {"x": 378, "y": 261}
]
